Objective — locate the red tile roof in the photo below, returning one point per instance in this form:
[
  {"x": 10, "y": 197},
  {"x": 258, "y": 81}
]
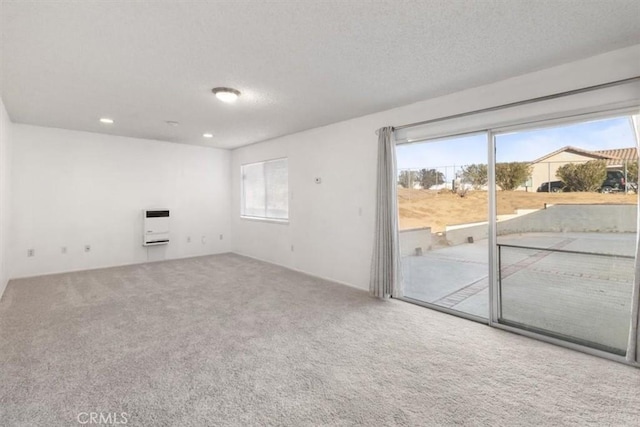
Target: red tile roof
[
  {"x": 593, "y": 154},
  {"x": 614, "y": 157},
  {"x": 621, "y": 155}
]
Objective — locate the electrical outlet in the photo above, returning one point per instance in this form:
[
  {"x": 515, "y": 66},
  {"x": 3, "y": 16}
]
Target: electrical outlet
[
  {"x": 204, "y": 240},
  {"x": 291, "y": 248},
  {"x": 221, "y": 237},
  {"x": 31, "y": 252},
  {"x": 87, "y": 248},
  {"x": 63, "y": 250},
  {"x": 188, "y": 239}
]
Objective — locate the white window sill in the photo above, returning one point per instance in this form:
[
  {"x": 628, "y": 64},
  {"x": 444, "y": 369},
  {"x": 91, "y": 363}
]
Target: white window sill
[{"x": 260, "y": 219}]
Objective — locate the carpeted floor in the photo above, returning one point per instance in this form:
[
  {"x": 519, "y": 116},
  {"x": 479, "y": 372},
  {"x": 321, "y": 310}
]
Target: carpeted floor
[{"x": 227, "y": 340}]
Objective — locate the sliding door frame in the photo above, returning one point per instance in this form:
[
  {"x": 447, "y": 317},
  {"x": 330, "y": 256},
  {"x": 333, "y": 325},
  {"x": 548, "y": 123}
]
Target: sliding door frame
[
  {"x": 494, "y": 287},
  {"x": 464, "y": 315},
  {"x": 446, "y": 310},
  {"x": 494, "y": 290},
  {"x": 494, "y": 284}
]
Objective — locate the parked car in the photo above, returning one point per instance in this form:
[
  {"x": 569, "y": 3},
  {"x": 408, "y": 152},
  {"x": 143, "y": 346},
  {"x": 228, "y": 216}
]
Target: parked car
[
  {"x": 551, "y": 187},
  {"x": 614, "y": 182}
]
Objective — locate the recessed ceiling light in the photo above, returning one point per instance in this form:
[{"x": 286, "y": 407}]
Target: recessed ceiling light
[
  {"x": 207, "y": 135},
  {"x": 226, "y": 94},
  {"x": 106, "y": 121}
]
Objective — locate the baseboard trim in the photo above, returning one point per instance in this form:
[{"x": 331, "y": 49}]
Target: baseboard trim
[
  {"x": 317, "y": 276},
  {"x": 105, "y": 267}
]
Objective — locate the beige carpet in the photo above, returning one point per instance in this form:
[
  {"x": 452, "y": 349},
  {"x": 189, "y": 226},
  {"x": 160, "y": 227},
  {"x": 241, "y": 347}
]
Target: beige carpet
[{"x": 226, "y": 340}]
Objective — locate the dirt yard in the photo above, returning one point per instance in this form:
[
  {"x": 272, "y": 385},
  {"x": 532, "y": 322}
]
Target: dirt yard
[{"x": 436, "y": 209}]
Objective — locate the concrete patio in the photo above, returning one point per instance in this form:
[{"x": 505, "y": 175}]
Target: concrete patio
[{"x": 579, "y": 296}]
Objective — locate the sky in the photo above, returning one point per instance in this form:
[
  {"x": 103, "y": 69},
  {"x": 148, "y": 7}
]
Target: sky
[{"x": 519, "y": 146}]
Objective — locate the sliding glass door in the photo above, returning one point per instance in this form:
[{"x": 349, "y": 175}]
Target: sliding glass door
[
  {"x": 530, "y": 229},
  {"x": 443, "y": 201},
  {"x": 566, "y": 205}
]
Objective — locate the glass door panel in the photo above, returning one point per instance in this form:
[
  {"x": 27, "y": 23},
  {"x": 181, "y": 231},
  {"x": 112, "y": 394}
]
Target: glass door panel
[
  {"x": 566, "y": 231},
  {"x": 443, "y": 203}
]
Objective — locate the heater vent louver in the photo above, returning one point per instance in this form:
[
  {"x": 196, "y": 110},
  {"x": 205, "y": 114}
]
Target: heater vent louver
[{"x": 155, "y": 228}]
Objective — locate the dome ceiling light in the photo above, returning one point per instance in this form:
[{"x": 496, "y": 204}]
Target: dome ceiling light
[{"x": 226, "y": 94}]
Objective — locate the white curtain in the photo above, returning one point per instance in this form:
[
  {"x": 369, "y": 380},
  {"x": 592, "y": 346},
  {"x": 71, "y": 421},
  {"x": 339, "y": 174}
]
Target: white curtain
[
  {"x": 633, "y": 348},
  {"x": 386, "y": 274}
]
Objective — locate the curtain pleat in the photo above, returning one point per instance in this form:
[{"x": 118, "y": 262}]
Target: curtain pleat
[
  {"x": 386, "y": 273},
  {"x": 633, "y": 350}
]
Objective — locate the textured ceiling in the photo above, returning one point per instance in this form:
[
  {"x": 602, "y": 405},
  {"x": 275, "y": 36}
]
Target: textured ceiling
[{"x": 299, "y": 64}]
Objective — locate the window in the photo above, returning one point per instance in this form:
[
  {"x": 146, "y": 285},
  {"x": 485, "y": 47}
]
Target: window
[{"x": 265, "y": 190}]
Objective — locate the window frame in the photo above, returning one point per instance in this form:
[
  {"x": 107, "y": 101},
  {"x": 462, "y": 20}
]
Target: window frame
[{"x": 245, "y": 216}]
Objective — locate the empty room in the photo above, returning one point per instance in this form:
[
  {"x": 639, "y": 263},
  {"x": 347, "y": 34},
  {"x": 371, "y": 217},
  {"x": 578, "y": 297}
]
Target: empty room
[{"x": 319, "y": 213}]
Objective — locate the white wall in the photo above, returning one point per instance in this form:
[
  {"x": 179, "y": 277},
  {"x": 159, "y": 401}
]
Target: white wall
[
  {"x": 332, "y": 223},
  {"x": 75, "y": 188},
  {"x": 72, "y": 188},
  {"x": 5, "y": 195}
]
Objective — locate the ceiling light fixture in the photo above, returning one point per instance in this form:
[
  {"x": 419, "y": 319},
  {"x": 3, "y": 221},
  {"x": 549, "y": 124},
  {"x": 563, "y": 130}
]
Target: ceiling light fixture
[
  {"x": 226, "y": 94},
  {"x": 106, "y": 121},
  {"x": 207, "y": 135}
]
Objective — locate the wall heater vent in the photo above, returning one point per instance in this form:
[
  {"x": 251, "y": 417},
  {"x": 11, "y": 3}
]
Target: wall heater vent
[{"x": 156, "y": 227}]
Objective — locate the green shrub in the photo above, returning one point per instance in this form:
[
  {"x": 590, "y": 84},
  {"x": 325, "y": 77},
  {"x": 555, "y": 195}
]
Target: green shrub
[
  {"x": 476, "y": 175},
  {"x": 632, "y": 171},
  {"x": 430, "y": 177},
  {"x": 587, "y": 176},
  {"x": 512, "y": 175},
  {"x": 407, "y": 178}
]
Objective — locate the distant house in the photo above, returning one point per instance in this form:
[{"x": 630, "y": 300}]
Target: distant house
[
  {"x": 619, "y": 156},
  {"x": 545, "y": 168}
]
